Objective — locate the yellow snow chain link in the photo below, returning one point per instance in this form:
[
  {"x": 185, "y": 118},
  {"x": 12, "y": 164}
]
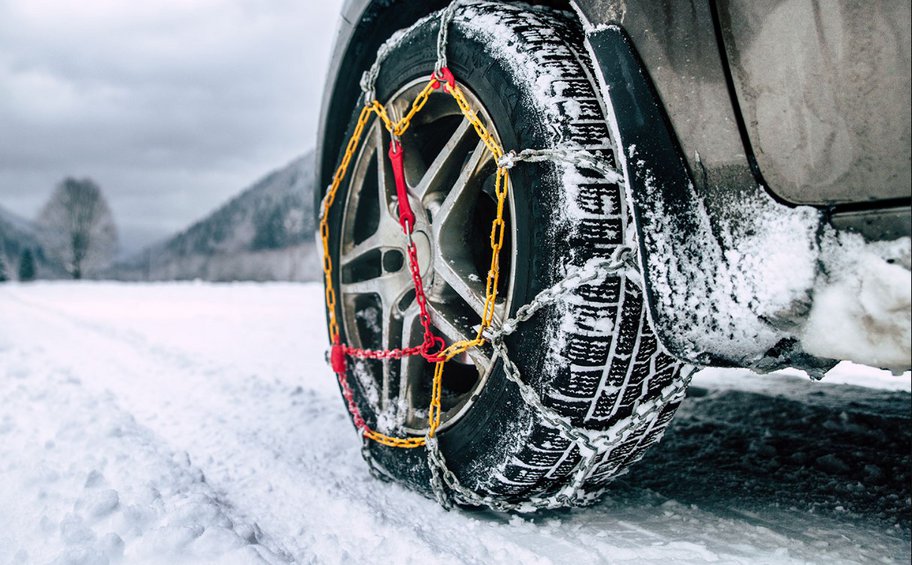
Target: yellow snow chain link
[{"x": 445, "y": 79}]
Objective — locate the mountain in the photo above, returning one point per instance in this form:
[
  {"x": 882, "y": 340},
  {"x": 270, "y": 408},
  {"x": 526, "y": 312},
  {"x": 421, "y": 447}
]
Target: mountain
[
  {"x": 18, "y": 235},
  {"x": 263, "y": 234}
]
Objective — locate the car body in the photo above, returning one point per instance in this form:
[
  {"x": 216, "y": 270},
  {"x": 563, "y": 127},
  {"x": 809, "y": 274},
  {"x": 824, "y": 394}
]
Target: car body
[{"x": 749, "y": 129}]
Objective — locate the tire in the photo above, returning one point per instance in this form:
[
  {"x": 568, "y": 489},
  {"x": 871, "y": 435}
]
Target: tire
[{"x": 593, "y": 358}]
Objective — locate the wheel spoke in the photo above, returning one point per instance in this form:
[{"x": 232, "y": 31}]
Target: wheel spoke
[
  {"x": 386, "y": 184},
  {"x": 456, "y": 277},
  {"x": 410, "y": 368},
  {"x": 381, "y": 241},
  {"x": 388, "y": 235},
  {"x": 389, "y": 286},
  {"x": 458, "y": 202},
  {"x": 449, "y": 158},
  {"x": 454, "y": 262},
  {"x": 456, "y": 328},
  {"x": 412, "y": 332},
  {"x": 391, "y": 327}
]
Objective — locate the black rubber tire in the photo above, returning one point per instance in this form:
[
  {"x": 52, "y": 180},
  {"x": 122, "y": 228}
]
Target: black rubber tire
[{"x": 594, "y": 358}]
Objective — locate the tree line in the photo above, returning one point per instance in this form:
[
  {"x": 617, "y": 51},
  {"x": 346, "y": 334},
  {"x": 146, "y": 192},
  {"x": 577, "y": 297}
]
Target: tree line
[
  {"x": 27, "y": 269},
  {"x": 76, "y": 230}
]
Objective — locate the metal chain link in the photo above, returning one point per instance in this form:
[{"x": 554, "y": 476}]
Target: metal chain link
[
  {"x": 593, "y": 271},
  {"x": 572, "y": 156},
  {"x": 590, "y": 453},
  {"x": 369, "y": 77},
  {"x": 438, "y": 468},
  {"x": 593, "y": 445},
  {"x": 445, "y": 18}
]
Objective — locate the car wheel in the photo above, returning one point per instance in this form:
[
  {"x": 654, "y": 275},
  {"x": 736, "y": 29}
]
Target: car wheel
[{"x": 592, "y": 358}]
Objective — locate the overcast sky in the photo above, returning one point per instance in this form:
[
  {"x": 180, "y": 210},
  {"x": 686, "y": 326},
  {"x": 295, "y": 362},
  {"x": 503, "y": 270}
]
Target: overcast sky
[{"x": 172, "y": 106}]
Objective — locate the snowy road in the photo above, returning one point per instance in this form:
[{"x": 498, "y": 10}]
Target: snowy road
[{"x": 198, "y": 423}]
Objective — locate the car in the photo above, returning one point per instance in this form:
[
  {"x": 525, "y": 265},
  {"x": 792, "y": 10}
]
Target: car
[{"x": 690, "y": 184}]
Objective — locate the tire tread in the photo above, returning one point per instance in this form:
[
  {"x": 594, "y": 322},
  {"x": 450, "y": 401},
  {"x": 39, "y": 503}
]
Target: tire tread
[{"x": 607, "y": 374}]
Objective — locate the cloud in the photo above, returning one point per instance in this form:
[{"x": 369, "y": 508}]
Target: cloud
[{"x": 172, "y": 106}]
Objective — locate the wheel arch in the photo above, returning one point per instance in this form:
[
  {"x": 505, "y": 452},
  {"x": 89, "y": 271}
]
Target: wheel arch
[{"x": 696, "y": 202}]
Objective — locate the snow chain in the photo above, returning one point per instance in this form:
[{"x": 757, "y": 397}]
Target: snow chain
[{"x": 593, "y": 445}]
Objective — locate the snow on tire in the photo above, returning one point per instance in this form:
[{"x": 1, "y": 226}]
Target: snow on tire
[{"x": 593, "y": 357}]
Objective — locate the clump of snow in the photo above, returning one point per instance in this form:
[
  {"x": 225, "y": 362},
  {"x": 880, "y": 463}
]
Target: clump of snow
[
  {"x": 371, "y": 318},
  {"x": 573, "y": 109},
  {"x": 365, "y": 377},
  {"x": 862, "y": 307},
  {"x": 854, "y": 374},
  {"x": 734, "y": 284},
  {"x": 746, "y": 281}
]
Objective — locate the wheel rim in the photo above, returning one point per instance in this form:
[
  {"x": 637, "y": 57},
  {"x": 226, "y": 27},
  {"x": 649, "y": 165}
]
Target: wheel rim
[{"x": 450, "y": 175}]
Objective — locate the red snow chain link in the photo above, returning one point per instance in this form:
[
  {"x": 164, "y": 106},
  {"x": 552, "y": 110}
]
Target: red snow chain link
[
  {"x": 433, "y": 348},
  {"x": 406, "y": 216}
]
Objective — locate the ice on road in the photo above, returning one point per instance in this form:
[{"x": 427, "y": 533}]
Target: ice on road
[{"x": 187, "y": 423}]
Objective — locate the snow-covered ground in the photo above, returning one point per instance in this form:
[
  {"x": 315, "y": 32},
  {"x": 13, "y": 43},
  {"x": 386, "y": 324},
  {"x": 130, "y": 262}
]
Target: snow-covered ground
[{"x": 189, "y": 422}]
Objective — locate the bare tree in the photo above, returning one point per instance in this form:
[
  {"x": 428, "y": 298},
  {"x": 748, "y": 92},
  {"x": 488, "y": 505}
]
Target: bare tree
[{"x": 78, "y": 228}]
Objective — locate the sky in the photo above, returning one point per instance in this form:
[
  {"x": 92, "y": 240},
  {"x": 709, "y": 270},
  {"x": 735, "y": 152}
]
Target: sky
[{"x": 172, "y": 106}]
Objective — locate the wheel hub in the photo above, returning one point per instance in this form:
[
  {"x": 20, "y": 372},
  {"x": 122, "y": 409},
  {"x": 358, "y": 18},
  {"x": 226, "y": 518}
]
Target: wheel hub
[{"x": 450, "y": 175}]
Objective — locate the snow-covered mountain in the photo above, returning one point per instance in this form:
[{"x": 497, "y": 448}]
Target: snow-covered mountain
[
  {"x": 263, "y": 234},
  {"x": 18, "y": 236}
]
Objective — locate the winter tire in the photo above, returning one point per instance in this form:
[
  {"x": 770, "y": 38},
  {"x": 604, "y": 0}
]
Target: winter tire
[{"x": 593, "y": 358}]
